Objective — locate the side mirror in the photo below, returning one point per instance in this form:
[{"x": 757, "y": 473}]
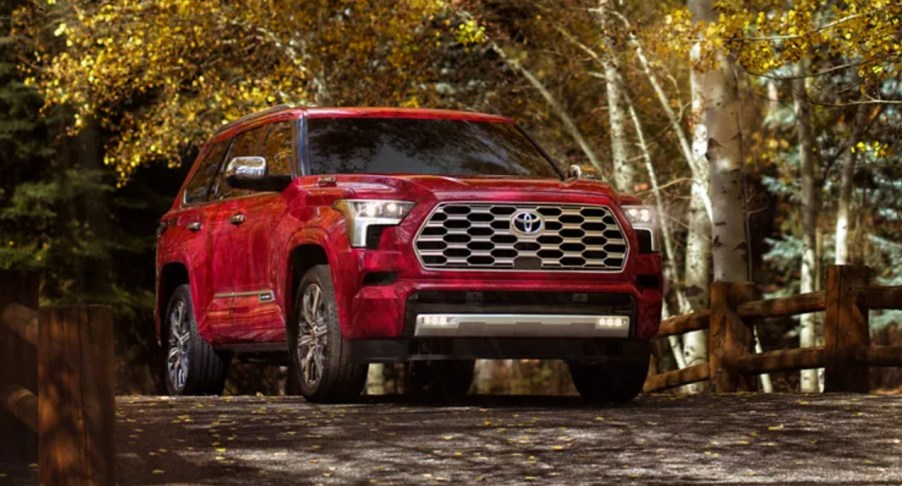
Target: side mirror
[
  {"x": 574, "y": 171},
  {"x": 577, "y": 171},
  {"x": 246, "y": 173}
]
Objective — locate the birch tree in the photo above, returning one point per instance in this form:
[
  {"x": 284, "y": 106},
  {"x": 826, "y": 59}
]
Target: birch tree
[
  {"x": 810, "y": 209},
  {"x": 719, "y": 114},
  {"x": 624, "y": 176}
]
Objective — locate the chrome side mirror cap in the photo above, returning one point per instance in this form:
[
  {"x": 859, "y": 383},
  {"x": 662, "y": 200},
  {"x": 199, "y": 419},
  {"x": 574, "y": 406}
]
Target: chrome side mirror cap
[
  {"x": 246, "y": 172},
  {"x": 577, "y": 171}
]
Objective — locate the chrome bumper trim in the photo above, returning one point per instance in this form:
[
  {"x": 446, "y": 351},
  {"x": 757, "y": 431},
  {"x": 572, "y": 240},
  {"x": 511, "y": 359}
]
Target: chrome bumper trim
[{"x": 522, "y": 325}]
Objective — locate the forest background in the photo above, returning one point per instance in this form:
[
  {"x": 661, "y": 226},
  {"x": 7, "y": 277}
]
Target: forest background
[{"x": 777, "y": 120}]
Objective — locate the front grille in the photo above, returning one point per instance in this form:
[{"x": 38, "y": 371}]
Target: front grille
[{"x": 483, "y": 236}]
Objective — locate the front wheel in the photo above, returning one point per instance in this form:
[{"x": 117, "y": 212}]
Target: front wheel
[
  {"x": 193, "y": 367},
  {"x": 616, "y": 382},
  {"x": 318, "y": 351}
]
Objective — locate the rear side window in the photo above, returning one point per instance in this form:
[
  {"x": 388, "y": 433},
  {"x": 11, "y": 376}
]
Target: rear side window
[
  {"x": 246, "y": 144},
  {"x": 279, "y": 149},
  {"x": 198, "y": 188}
]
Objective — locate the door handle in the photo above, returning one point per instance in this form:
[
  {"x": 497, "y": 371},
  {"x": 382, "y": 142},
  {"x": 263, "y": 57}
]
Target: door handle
[
  {"x": 237, "y": 219},
  {"x": 195, "y": 226}
]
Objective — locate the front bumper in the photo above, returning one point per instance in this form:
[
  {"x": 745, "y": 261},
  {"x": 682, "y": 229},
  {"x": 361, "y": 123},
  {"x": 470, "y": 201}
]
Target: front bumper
[{"x": 390, "y": 309}]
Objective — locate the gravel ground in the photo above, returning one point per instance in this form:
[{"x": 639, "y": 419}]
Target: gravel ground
[{"x": 737, "y": 439}]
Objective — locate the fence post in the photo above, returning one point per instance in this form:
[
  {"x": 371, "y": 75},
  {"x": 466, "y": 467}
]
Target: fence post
[
  {"x": 18, "y": 366},
  {"x": 729, "y": 338},
  {"x": 76, "y": 406},
  {"x": 845, "y": 328}
]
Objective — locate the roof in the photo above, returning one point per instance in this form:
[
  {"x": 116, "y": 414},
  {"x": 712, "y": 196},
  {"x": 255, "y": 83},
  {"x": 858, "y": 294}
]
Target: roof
[
  {"x": 420, "y": 113},
  {"x": 288, "y": 111}
]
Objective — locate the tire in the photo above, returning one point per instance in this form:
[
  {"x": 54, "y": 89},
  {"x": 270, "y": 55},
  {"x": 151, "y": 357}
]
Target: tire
[
  {"x": 447, "y": 380},
  {"x": 192, "y": 367},
  {"x": 318, "y": 351},
  {"x": 617, "y": 382}
]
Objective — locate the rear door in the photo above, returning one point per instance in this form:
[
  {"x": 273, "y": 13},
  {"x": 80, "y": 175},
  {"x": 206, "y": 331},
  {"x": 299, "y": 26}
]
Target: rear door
[{"x": 193, "y": 224}]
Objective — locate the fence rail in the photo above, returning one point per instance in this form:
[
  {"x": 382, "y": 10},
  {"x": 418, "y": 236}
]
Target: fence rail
[
  {"x": 845, "y": 355},
  {"x": 69, "y": 362}
]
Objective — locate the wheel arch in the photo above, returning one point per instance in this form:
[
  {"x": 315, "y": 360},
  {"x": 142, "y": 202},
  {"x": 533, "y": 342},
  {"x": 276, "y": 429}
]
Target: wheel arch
[{"x": 303, "y": 257}]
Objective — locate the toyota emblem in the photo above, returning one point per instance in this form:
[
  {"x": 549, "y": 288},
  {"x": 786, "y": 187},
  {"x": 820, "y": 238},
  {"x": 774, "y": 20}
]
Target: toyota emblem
[{"x": 527, "y": 222}]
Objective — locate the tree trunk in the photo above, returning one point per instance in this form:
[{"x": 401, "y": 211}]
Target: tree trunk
[
  {"x": 375, "y": 379},
  {"x": 720, "y": 110},
  {"x": 624, "y": 175},
  {"x": 696, "y": 274},
  {"x": 697, "y": 263},
  {"x": 808, "y": 334},
  {"x": 844, "y": 208}
]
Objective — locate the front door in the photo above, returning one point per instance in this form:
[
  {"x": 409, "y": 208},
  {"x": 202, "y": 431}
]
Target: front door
[
  {"x": 246, "y": 244},
  {"x": 243, "y": 258}
]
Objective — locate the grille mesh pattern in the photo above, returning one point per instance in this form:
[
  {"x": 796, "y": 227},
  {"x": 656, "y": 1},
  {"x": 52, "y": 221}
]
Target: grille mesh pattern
[{"x": 480, "y": 236}]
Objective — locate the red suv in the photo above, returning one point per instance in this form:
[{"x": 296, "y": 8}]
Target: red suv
[{"x": 348, "y": 236}]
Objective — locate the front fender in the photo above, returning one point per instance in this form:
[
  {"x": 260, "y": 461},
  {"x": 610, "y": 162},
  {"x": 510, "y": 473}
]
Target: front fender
[{"x": 327, "y": 230}]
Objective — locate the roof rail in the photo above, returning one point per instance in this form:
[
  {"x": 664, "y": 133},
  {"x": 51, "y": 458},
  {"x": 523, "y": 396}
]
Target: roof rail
[{"x": 254, "y": 116}]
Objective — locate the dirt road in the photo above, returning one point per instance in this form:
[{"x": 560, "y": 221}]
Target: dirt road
[{"x": 778, "y": 439}]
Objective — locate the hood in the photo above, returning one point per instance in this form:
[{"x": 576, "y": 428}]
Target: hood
[{"x": 416, "y": 187}]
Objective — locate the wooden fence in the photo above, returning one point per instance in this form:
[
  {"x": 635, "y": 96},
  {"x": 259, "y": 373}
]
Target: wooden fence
[
  {"x": 732, "y": 364},
  {"x": 66, "y": 354}
]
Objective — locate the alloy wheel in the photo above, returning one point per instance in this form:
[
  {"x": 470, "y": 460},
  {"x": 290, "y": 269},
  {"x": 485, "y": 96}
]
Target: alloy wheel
[
  {"x": 179, "y": 343},
  {"x": 312, "y": 335}
]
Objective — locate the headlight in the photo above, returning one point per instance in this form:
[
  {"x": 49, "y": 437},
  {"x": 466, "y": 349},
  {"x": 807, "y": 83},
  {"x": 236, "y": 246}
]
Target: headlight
[
  {"x": 640, "y": 216},
  {"x": 645, "y": 221},
  {"x": 360, "y": 214}
]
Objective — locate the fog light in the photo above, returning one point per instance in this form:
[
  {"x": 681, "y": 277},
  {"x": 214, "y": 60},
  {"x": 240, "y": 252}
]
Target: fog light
[
  {"x": 436, "y": 320},
  {"x": 612, "y": 322}
]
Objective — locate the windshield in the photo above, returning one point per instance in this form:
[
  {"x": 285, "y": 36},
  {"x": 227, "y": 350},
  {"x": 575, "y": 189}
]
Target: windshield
[{"x": 423, "y": 146}]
